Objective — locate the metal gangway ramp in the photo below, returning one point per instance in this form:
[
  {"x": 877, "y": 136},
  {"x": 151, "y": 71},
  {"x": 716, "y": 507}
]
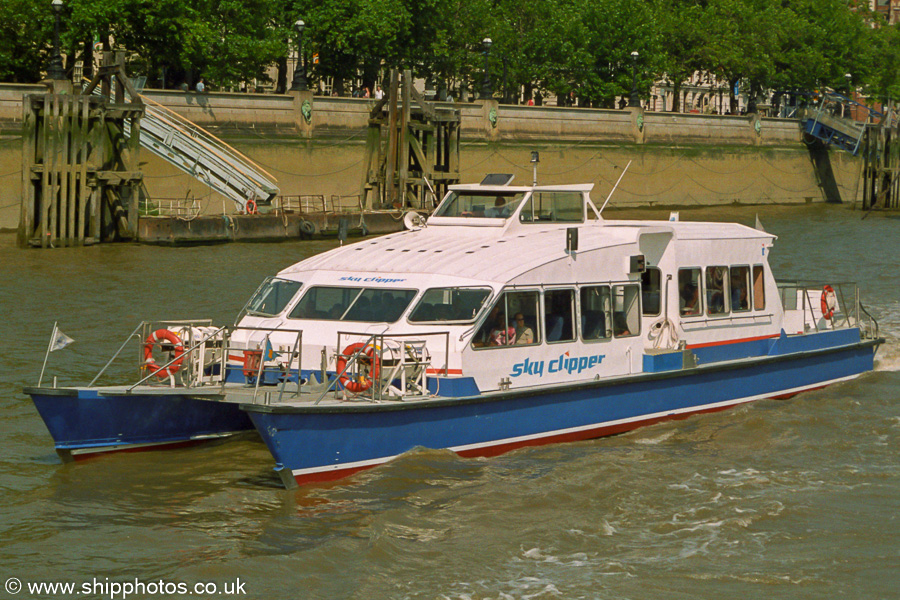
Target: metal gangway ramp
[
  {"x": 828, "y": 124},
  {"x": 202, "y": 155}
]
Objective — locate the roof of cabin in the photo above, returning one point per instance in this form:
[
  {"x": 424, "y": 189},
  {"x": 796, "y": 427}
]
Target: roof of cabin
[{"x": 499, "y": 254}]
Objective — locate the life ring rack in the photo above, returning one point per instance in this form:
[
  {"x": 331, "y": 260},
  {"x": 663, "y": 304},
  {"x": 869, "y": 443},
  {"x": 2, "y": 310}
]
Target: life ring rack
[
  {"x": 155, "y": 338},
  {"x": 362, "y": 383},
  {"x": 828, "y": 302}
]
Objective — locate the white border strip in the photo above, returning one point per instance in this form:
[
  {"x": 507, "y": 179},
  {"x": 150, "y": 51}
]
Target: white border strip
[
  {"x": 693, "y": 409},
  {"x": 103, "y": 449}
]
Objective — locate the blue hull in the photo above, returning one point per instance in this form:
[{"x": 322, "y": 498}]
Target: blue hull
[
  {"x": 84, "y": 422},
  {"x": 312, "y": 444}
]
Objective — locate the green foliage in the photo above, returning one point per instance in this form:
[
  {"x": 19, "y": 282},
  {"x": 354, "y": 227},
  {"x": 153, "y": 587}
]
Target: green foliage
[
  {"x": 556, "y": 46},
  {"x": 26, "y": 34}
]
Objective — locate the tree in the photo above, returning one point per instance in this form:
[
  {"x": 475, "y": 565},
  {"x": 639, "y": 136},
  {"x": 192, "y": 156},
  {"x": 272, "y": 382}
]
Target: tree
[{"x": 25, "y": 39}]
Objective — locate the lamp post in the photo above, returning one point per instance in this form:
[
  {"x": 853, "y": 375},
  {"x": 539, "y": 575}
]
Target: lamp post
[
  {"x": 633, "y": 100},
  {"x": 849, "y": 78},
  {"x": 486, "y": 92},
  {"x": 55, "y": 70},
  {"x": 298, "y": 83}
]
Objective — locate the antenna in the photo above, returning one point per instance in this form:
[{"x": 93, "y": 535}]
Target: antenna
[{"x": 614, "y": 187}]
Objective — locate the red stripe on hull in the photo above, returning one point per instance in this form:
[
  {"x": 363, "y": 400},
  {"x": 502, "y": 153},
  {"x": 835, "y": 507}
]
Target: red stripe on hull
[{"x": 727, "y": 342}]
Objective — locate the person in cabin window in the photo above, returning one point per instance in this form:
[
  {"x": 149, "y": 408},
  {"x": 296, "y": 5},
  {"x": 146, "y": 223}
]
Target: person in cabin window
[
  {"x": 689, "y": 299},
  {"x": 524, "y": 333},
  {"x": 500, "y": 209},
  {"x": 501, "y": 334}
]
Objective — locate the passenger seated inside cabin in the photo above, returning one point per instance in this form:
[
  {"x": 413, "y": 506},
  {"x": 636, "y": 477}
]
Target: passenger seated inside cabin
[
  {"x": 500, "y": 208},
  {"x": 524, "y": 333},
  {"x": 620, "y": 324},
  {"x": 689, "y": 299},
  {"x": 502, "y": 334},
  {"x": 740, "y": 300},
  {"x": 716, "y": 278}
]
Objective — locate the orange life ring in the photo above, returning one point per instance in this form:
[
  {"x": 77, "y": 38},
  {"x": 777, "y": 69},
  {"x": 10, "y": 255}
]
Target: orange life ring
[
  {"x": 829, "y": 302},
  {"x": 363, "y": 383},
  {"x": 155, "y": 338},
  {"x": 250, "y": 208}
]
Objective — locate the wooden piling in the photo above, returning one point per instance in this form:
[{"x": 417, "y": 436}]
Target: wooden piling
[
  {"x": 422, "y": 144},
  {"x": 74, "y": 157}
]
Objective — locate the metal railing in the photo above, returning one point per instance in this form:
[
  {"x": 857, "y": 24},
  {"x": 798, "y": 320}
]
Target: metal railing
[
  {"x": 403, "y": 363},
  {"x": 201, "y": 358},
  {"x": 806, "y": 298}
]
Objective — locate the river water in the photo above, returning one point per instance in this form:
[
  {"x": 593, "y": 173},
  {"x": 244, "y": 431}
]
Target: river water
[{"x": 780, "y": 499}]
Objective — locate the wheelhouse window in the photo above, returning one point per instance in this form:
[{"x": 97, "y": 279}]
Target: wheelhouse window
[
  {"x": 559, "y": 315},
  {"x": 626, "y": 310},
  {"x": 689, "y": 292},
  {"x": 479, "y": 204},
  {"x": 759, "y": 288},
  {"x": 449, "y": 305},
  {"x": 650, "y": 290},
  {"x": 596, "y": 309},
  {"x": 716, "y": 290},
  {"x": 272, "y": 296},
  {"x": 740, "y": 289},
  {"x": 553, "y": 207},
  {"x": 368, "y": 305},
  {"x": 512, "y": 321}
]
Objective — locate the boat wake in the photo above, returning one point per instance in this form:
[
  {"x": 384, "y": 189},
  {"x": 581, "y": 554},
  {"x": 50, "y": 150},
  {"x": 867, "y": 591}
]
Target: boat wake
[{"x": 888, "y": 356}]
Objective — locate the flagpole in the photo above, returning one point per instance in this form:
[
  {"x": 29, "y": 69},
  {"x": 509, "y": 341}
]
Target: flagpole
[{"x": 47, "y": 355}]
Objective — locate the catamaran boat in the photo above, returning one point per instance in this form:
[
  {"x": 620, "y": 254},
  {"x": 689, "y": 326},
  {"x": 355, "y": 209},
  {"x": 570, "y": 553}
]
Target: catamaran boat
[{"x": 514, "y": 316}]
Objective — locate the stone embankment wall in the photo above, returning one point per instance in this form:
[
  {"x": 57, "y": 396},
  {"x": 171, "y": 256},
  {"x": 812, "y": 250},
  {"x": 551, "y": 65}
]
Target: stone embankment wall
[{"x": 677, "y": 159}]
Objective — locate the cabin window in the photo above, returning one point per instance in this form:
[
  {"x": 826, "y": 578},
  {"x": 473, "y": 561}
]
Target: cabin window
[
  {"x": 740, "y": 289},
  {"x": 352, "y": 304},
  {"x": 626, "y": 310},
  {"x": 689, "y": 292},
  {"x": 650, "y": 290},
  {"x": 379, "y": 305},
  {"x": 716, "y": 290},
  {"x": 559, "y": 315},
  {"x": 449, "y": 304},
  {"x": 272, "y": 296},
  {"x": 553, "y": 207},
  {"x": 759, "y": 288},
  {"x": 512, "y": 322},
  {"x": 596, "y": 308},
  {"x": 479, "y": 204}
]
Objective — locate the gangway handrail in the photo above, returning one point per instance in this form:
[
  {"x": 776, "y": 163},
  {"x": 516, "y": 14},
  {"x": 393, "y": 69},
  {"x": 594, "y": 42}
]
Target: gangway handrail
[
  {"x": 206, "y": 132},
  {"x": 201, "y": 154}
]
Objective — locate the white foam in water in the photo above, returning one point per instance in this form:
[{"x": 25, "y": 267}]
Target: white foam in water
[{"x": 888, "y": 356}]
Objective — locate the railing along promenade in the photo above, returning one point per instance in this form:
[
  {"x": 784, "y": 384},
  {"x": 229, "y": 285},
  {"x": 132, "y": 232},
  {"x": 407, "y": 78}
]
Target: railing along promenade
[{"x": 487, "y": 121}]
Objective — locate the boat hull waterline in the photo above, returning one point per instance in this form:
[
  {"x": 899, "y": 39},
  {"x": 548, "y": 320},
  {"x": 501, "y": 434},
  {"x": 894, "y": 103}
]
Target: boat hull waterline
[{"x": 316, "y": 444}]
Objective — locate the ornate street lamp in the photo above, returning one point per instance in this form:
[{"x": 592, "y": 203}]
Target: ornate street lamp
[
  {"x": 299, "y": 81},
  {"x": 633, "y": 100},
  {"x": 486, "y": 92},
  {"x": 55, "y": 70}
]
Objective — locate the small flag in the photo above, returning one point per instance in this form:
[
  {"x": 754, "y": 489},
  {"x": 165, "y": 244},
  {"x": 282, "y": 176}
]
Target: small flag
[
  {"x": 759, "y": 225},
  {"x": 60, "y": 341},
  {"x": 270, "y": 353}
]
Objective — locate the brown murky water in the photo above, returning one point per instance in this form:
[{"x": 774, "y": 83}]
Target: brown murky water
[{"x": 780, "y": 499}]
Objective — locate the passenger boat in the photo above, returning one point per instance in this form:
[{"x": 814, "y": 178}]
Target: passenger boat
[
  {"x": 514, "y": 316},
  {"x": 519, "y": 316}
]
